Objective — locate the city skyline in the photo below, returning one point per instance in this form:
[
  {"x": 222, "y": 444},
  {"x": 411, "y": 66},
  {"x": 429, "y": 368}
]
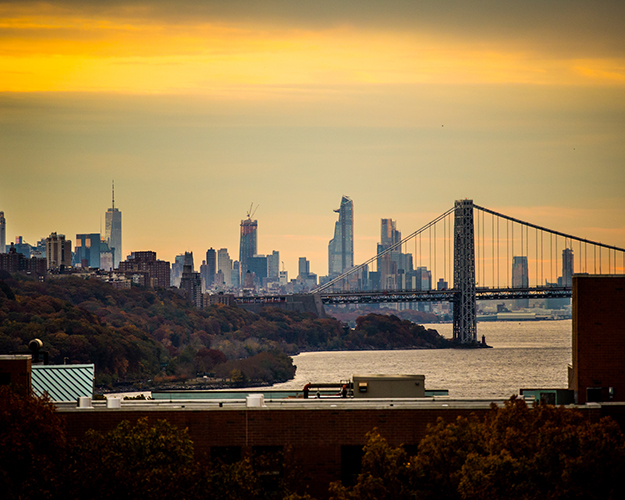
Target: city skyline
[
  {"x": 389, "y": 235},
  {"x": 199, "y": 109}
]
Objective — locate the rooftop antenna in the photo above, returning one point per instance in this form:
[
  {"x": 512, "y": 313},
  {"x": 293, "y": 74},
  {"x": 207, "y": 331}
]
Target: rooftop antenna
[{"x": 113, "y": 194}]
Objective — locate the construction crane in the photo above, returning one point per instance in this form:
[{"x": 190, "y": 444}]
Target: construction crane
[{"x": 251, "y": 213}]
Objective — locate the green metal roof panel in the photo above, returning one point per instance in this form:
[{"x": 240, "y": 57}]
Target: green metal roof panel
[{"x": 63, "y": 382}]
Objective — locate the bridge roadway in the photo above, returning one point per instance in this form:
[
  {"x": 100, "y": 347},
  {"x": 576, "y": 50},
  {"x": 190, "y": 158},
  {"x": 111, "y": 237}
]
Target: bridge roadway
[
  {"x": 443, "y": 295},
  {"x": 392, "y": 296}
]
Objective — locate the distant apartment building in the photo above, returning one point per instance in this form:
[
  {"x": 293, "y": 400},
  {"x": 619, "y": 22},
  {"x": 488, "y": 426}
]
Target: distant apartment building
[
  {"x": 305, "y": 278},
  {"x": 219, "y": 279},
  {"x": 39, "y": 250},
  {"x": 235, "y": 275},
  {"x": 188, "y": 260},
  {"x": 395, "y": 269},
  {"x": 520, "y": 278},
  {"x": 14, "y": 261},
  {"x": 423, "y": 279},
  {"x": 284, "y": 277},
  {"x": 87, "y": 250},
  {"x": 203, "y": 275},
  {"x": 106, "y": 256},
  {"x": 176, "y": 270},
  {"x": 249, "y": 280},
  {"x": 157, "y": 271},
  {"x": 258, "y": 266},
  {"x": 211, "y": 268},
  {"x": 58, "y": 252},
  {"x": 224, "y": 266},
  {"x": 211, "y": 299},
  {"x": 567, "y": 267},
  {"x": 273, "y": 266},
  {"x": 303, "y": 267},
  {"x": 191, "y": 283},
  {"x": 22, "y": 247}
]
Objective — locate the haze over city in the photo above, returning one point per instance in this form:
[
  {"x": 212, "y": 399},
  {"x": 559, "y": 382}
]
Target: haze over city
[{"x": 196, "y": 111}]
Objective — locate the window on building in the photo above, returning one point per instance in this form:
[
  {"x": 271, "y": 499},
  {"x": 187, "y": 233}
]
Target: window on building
[{"x": 226, "y": 454}]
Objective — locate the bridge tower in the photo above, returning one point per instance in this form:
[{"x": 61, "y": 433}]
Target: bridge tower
[{"x": 465, "y": 322}]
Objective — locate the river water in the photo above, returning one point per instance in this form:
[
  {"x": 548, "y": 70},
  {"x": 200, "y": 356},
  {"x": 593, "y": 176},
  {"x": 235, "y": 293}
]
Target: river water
[{"x": 528, "y": 355}]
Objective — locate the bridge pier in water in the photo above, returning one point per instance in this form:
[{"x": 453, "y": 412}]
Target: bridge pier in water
[{"x": 465, "y": 316}]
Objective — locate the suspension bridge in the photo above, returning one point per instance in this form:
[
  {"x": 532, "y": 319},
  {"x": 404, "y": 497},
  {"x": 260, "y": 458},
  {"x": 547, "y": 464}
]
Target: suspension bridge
[
  {"x": 481, "y": 255},
  {"x": 476, "y": 254}
]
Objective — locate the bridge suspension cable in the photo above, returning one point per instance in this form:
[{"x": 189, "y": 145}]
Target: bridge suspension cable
[
  {"x": 539, "y": 262},
  {"x": 557, "y": 233},
  {"x": 353, "y": 270}
]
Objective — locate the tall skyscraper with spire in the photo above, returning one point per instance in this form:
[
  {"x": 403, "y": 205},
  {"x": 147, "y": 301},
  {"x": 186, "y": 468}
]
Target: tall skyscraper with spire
[
  {"x": 341, "y": 247},
  {"x": 113, "y": 231}
]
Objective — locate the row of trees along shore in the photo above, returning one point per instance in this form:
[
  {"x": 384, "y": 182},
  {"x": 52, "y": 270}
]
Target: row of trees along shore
[
  {"x": 515, "y": 452},
  {"x": 158, "y": 335}
]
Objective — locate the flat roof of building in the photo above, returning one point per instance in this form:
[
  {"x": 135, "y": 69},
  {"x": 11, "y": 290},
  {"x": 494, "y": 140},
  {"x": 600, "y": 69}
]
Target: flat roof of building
[{"x": 294, "y": 404}]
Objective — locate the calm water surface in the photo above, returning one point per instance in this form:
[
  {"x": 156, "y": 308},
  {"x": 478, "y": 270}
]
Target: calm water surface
[{"x": 530, "y": 354}]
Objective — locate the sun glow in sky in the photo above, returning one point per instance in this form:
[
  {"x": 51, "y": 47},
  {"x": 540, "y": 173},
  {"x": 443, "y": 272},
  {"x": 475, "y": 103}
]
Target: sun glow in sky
[
  {"x": 197, "y": 109},
  {"x": 61, "y": 51}
]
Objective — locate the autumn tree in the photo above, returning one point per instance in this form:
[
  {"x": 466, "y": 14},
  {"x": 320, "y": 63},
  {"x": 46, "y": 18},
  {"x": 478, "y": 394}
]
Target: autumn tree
[
  {"x": 33, "y": 447},
  {"x": 385, "y": 474},
  {"x": 132, "y": 461},
  {"x": 515, "y": 452}
]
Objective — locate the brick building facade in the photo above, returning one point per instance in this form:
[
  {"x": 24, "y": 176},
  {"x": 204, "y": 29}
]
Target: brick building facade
[
  {"x": 598, "y": 369},
  {"x": 320, "y": 441},
  {"x": 158, "y": 271},
  {"x": 14, "y": 262}
]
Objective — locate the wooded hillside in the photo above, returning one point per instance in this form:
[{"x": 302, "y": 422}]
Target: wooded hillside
[{"x": 139, "y": 334}]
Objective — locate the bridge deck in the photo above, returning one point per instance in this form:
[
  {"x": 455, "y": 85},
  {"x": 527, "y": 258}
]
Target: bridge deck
[{"x": 365, "y": 297}]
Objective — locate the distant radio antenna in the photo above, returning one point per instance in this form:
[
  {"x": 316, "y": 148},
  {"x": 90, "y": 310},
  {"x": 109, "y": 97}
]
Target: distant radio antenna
[{"x": 113, "y": 193}]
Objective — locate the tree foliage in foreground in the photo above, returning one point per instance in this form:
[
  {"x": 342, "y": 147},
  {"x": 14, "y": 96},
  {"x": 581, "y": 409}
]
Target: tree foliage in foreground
[
  {"x": 516, "y": 452},
  {"x": 145, "y": 460},
  {"x": 135, "y": 461},
  {"x": 33, "y": 447}
]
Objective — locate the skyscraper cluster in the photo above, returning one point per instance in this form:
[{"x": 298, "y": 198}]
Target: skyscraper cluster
[
  {"x": 90, "y": 250},
  {"x": 252, "y": 273}
]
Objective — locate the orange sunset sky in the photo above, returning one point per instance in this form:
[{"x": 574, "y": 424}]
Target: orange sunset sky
[{"x": 198, "y": 108}]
